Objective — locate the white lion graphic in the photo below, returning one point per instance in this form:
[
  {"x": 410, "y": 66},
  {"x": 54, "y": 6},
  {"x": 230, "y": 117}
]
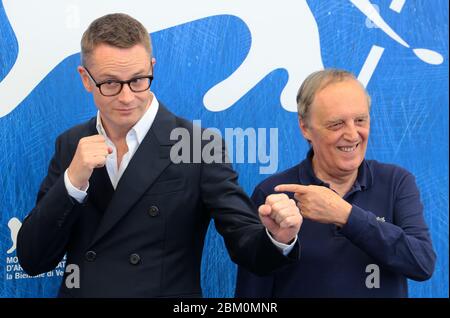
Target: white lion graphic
[
  {"x": 284, "y": 35},
  {"x": 14, "y": 226}
]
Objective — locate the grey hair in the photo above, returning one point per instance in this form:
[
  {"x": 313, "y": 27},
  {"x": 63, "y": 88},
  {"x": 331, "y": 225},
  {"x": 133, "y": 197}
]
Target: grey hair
[{"x": 316, "y": 82}]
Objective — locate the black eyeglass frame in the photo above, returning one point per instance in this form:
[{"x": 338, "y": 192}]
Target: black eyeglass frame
[{"x": 99, "y": 85}]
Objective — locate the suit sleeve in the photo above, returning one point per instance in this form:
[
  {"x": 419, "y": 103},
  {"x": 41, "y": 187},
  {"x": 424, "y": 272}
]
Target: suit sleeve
[
  {"x": 235, "y": 219},
  {"x": 403, "y": 246},
  {"x": 249, "y": 285},
  {"x": 42, "y": 239}
]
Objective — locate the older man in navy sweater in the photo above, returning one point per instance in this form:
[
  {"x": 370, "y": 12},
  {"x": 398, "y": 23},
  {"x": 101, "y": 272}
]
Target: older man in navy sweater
[{"x": 363, "y": 232}]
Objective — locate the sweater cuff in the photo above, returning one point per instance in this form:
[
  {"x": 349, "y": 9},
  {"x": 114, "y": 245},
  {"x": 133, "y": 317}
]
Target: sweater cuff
[{"x": 357, "y": 223}]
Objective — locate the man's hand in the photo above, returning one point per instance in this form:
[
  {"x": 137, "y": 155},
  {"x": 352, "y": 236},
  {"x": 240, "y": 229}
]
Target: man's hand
[
  {"x": 281, "y": 217},
  {"x": 319, "y": 203},
  {"x": 91, "y": 153}
]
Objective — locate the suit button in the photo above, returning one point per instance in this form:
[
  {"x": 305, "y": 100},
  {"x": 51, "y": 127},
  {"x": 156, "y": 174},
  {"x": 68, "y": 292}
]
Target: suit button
[
  {"x": 135, "y": 259},
  {"x": 90, "y": 256},
  {"x": 153, "y": 211}
]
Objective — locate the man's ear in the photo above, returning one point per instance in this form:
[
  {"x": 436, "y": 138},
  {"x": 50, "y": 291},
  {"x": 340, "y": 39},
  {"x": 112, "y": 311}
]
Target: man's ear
[
  {"x": 304, "y": 128},
  {"x": 153, "y": 62},
  {"x": 85, "y": 78}
]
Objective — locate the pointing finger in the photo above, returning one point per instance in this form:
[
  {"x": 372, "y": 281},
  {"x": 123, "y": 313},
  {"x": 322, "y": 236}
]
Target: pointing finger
[{"x": 297, "y": 188}]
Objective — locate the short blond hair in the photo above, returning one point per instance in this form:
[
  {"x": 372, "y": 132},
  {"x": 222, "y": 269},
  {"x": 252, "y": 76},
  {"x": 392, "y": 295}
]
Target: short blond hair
[{"x": 118, "y": 30}]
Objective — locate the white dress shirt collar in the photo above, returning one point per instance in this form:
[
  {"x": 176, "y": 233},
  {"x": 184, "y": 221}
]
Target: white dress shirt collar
[{"x": 134, "y": 138}]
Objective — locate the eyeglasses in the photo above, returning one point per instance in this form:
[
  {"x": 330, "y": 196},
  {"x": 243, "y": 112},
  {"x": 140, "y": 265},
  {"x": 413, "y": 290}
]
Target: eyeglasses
[{"x": 114, "y": 87}]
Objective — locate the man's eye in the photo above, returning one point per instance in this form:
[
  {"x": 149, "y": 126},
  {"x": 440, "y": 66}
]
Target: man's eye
[
  {"x": 361, "y": 121},
  {"x": 110, "y": 83},
  {"x": 335, "y": 126},
  {"x": 137, "y": 80}
]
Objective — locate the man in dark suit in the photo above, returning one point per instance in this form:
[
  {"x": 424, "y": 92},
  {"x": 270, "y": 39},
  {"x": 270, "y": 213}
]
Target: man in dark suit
[{"x": 115, "y": 203}]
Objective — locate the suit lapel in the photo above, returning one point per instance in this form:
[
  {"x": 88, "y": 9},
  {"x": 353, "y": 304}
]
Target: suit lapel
[
  {"x": 149, "y": 161},
  {"x": 100, "y": 189}
]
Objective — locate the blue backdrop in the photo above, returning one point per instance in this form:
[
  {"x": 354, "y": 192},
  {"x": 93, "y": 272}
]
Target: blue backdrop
[{"x": 409, "y": 114}]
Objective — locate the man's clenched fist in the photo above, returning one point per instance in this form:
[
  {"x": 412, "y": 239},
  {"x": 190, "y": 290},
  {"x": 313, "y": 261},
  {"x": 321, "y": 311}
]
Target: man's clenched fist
[
  {"x": 281, "y": 216},
  {"x": 91, "y": 153}
]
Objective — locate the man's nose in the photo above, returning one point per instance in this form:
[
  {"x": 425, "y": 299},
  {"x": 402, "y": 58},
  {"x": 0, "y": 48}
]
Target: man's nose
[
  {"x": 351, "y": 132},
  {"x": 126, "y": 95}
]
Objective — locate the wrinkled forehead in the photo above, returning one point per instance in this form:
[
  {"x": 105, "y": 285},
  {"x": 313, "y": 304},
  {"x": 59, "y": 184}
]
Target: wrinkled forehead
[{"x": 347, "y": 97}]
